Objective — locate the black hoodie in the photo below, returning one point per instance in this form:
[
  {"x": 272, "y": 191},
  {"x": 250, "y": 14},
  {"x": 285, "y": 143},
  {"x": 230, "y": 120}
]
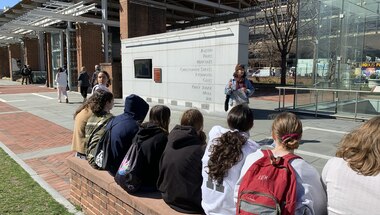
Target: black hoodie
[
  {"x": 180, "y": 176},
  {"x": 125, "y": 127}
]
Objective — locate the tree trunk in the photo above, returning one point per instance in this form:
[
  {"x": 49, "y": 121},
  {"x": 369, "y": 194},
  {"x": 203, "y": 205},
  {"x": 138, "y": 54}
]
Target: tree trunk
[{"x": 283, "y": 69}]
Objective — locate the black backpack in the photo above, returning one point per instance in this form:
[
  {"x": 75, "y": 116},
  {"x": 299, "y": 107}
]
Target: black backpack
[
  {"x": 128, "y": 174},
  {"x": 103, "y": 148}
]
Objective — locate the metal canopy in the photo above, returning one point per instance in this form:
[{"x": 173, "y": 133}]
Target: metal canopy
[
  {"x": 32, "y": 16},
  {"x": 26, "y": 19}
]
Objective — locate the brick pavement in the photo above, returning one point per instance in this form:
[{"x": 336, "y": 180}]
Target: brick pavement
[{"x": 24, "y": 132}]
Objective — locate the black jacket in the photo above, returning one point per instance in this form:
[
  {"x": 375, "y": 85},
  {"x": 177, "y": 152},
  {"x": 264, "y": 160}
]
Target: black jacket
[
  {"x": 153, "y": 141},
  {"x": 180, "y": 176}
]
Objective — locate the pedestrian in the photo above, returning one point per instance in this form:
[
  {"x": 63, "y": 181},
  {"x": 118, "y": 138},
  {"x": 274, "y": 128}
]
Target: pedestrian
[
  {"x": 83, "y": 82},
  {"x": 31, "y": 74},
  {"x": 94, "y": 79},
  {"x": 61, "y": 80},
  {"x": 239, "y": 88},
  {"x": 287, "y": 133},
  {"x": 223, "y": 159},
  {"x": 180, "y": 176},
  {"x": 352, "y": 177},
  {"x": 104, "y": 80},
  {"x": 81, "y": 116},
  {"x": 25, "y": 72},
  {"x": 125, "y": 127}
]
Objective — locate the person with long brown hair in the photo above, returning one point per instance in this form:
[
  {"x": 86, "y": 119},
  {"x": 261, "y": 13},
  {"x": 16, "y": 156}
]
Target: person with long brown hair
[
  {"x": 81, "y": 116},
  {"x": 180, "y": 177},
  {"x": 223, "y": 159},
  {"x": 352, "y": 177},
  {"x": 287, "y": 133}
]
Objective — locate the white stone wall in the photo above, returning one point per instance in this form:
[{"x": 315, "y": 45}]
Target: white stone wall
[{"x": 196, "y": 65}]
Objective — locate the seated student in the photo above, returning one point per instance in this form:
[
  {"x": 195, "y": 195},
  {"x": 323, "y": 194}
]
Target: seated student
[
  {"x": 124, "y": 129},
  {"x": 180, "y": 177},
  {"x": 286, "y": 133},
  {"x": 151, "y": 140},
  {"x": 81, "y": 116},
  {"x": 223, "y": 160},
  {"x": 95, "y": 126},
  {"x": 353, "y": 177}
]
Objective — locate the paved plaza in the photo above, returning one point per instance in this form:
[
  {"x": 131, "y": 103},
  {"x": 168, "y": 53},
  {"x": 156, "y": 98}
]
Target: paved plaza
[{"x": 36, "y": 131}]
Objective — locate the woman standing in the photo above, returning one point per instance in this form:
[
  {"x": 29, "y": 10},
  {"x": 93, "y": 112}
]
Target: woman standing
[
  {"x": 61, "y": 80},
  {"x": 239, "y": 89}
]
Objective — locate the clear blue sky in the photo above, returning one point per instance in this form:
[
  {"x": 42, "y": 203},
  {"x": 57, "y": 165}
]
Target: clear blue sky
[{"x": 9, "y": 3}]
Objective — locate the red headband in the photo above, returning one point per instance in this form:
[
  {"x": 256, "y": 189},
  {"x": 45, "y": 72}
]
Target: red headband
[{"x": 293, "y": 136}]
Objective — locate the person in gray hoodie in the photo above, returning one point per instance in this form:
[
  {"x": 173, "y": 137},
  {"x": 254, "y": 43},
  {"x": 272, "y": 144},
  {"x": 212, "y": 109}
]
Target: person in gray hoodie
[{"x": 124, "y": 128}]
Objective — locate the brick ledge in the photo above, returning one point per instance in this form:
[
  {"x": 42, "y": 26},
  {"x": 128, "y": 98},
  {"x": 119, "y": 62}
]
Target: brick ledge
[{"x": 97, "y": 193}]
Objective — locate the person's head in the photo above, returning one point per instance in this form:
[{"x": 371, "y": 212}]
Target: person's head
[
  {"x": 287, "y": 130},
  {"x": 97, "y": 67},
  {"x": 136, "y": 107},
  {"x": 240, "y": 118},
  {"x": 160, "y": 115},
  {"x": 239, "y": 71},
  {"x": 194, "y": 118},
  {"x": 227, "y": 149},
  {"x": 59, "y": 69},
  {"x": 102, "y": 102},
  {"x": 361, "y": 148},
  {"x": 104, "y": 78},
  {"x": 83, "y": 68}
]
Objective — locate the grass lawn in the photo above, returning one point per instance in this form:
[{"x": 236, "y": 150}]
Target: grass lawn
[{"x": 20, "y": 194}]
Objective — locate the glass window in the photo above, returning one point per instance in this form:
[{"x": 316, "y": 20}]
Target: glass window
[{"x": 143, "y": 68}]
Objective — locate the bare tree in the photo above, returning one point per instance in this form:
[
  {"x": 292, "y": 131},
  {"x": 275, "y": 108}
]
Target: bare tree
[{"x": 281, "y": 18}]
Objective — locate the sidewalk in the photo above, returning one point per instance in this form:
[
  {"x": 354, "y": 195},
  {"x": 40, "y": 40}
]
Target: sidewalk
[{"x": 38, "y": 129}]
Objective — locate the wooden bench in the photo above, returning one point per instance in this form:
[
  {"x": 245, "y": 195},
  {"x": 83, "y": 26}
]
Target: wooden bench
[{"x": 97, "y": 193}]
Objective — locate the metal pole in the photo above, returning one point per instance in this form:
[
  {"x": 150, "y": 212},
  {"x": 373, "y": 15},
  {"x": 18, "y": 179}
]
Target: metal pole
[
  {"x": 68, "y": 54},
  {"x": 105, "y": 30},
  {"x": 283, "y": 100},
  {"x": 316, "y": 103},
  {"x": 279, "y": 99},
  {"x": 356, "y": 105}
]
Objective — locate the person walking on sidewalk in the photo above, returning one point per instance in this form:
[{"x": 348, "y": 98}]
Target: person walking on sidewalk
[
  {"x": 83, "y": 82},
  {"x": 61, "y": 80}
]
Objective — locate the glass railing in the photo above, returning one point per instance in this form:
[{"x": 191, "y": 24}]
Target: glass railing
[{"x": 355, "y": 104}]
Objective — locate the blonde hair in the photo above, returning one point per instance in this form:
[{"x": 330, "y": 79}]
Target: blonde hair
[
  {"x": 287, "y": 128},
  {"x": 361, "y": 148}
]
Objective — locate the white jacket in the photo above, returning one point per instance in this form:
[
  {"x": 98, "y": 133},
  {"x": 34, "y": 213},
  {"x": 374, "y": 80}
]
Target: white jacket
[
  {"x": 61, "y": 79},
  {"x": 214, "y": 201}
]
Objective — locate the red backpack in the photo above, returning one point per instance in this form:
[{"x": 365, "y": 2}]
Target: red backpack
[{"x": 269, "y": 186}]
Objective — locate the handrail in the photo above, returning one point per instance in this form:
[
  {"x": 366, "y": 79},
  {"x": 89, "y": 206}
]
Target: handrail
[{"x": 317, "y": 90}]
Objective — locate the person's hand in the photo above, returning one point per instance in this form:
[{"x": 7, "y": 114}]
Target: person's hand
[
  {"x": 229, "y": 83},
  {"x": 244, "y": 89}
]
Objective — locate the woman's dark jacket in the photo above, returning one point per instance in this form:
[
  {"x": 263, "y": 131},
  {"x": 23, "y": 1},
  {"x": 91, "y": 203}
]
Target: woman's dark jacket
[{"x": 180, "y": 176}]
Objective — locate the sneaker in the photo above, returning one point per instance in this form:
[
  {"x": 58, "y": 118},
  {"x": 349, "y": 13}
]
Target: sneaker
[
  {"x": 59, "y": 101},
  {"x": 67, "y": 100}
]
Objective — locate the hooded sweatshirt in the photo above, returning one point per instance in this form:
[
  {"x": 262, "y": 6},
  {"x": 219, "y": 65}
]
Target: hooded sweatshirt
[
  {"x": 180, "y": 176},
  {"x": 125, "y": 127},
  {"x": 152, "y": 140}
]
